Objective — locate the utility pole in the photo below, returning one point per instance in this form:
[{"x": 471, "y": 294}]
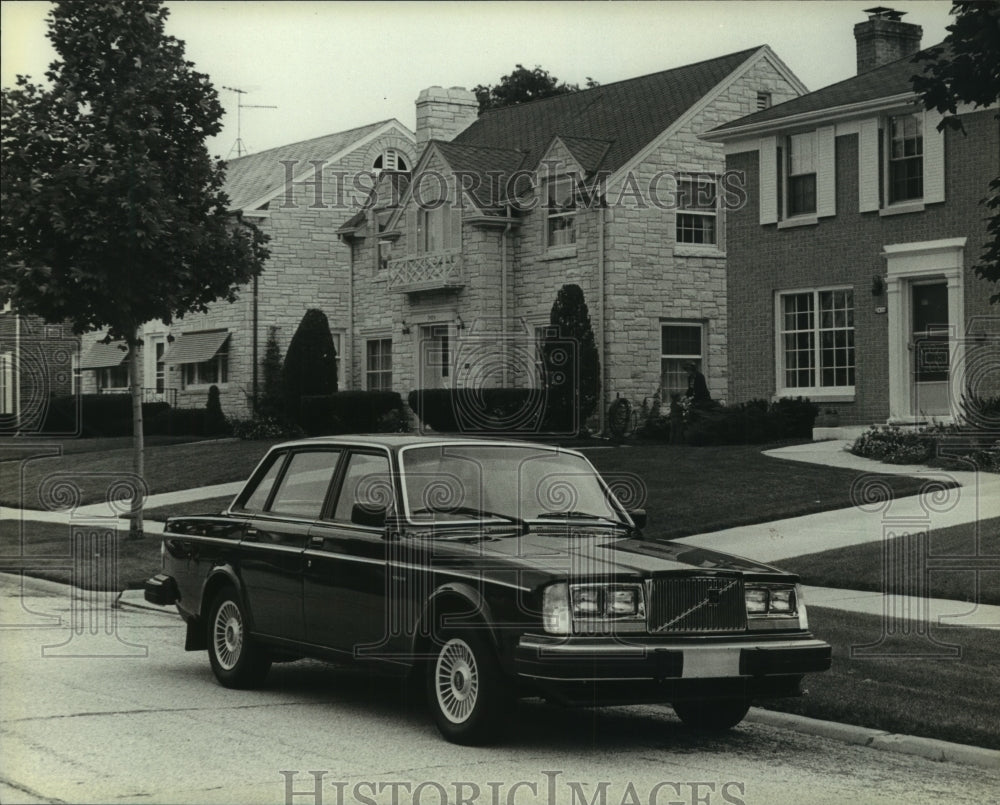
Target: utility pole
[{"x": 239, "y": 146}]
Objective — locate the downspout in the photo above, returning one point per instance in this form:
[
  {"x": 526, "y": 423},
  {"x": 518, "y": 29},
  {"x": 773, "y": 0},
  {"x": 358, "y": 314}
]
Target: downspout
[
  {"x": 254, "y": 347},
  {"x": 15, "y": 371},
  {"x": 348, "y": 345},
  {"x": 601, "y": 307},
  {"x": 504, "y": 287}
]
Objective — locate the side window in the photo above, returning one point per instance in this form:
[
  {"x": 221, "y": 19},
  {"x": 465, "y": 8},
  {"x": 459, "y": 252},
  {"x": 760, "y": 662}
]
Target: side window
[
  {"x": 367, "y": 483},
  {"x": 256, "y": 500},
  {"x": 304, "y": 485}
]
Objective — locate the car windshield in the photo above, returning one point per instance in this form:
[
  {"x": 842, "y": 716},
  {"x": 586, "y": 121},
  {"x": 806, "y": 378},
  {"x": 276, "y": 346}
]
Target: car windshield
[{"x": 454, "y": 482}]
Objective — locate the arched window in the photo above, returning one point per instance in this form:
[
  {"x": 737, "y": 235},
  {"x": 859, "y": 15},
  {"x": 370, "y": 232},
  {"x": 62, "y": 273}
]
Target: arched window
[{"x": 389, "y": 160}]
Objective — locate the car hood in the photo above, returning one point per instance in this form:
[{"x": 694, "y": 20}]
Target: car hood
[{"x": 596, "y": 551}]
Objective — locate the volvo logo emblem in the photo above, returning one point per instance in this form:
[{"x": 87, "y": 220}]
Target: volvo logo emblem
[{"x": 714, "y": 595}]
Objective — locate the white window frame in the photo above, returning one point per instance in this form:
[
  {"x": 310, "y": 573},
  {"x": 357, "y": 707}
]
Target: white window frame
[
  {"x": 104, "y": 379},
  {"x": 565, "y": 214},
  {"x": 787, "y": 175},
  {"x": 887, "y": 160},
  {"x": 698, "y": 180},
  {"x": 435, "y": 235},
  {"x": 381, "y": 370},
  {"x": 816, "y": 392},
  {"x": 699, "y": 359},
  {"x": 194, "y": 376},
  {"x": 7, "y": 398}
]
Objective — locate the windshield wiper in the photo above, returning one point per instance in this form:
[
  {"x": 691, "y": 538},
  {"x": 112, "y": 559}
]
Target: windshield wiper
[
  {"x": 571, "y": 514},
  {"x": 478, "y": 514}
]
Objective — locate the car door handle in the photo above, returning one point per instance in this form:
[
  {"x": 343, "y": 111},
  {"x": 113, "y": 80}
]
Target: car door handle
[{"x": 250, "y": 532}]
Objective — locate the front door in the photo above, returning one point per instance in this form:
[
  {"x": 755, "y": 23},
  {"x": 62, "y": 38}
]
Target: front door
[
  {"x": 931, "y": 349},
  {"x": 435, "y": 357}
]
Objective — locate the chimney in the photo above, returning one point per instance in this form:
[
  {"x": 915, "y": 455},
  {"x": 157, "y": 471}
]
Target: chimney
[
  {"x": 884, "y": 38},
  {"x": 443, "y": 114}
]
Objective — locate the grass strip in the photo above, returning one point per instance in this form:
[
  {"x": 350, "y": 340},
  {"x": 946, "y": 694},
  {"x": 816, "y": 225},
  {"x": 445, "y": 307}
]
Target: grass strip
[
  {"x": 913, "y": 565},
  {"x": 911, "y": 688}
]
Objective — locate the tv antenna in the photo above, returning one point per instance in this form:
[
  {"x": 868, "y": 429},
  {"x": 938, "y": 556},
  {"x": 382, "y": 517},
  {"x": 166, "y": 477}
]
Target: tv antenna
[{"x": 239, "y": 146}]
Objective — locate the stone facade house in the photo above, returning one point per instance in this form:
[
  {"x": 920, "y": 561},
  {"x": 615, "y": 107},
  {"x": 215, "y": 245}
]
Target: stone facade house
[
  {"x": 609, "y": 188},
  {"x": 299, "y": 194},
  {"x": 850, "y": 274}
]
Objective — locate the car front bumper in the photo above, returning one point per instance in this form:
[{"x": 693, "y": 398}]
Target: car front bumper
[{"x": 607, "y": 660}]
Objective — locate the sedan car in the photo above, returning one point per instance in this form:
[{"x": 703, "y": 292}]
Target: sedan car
[{"x": 491, "y": 569}]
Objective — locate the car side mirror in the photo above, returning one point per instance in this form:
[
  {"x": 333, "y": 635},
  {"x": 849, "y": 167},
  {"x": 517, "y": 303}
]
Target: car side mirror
[
  {"x": 368, "y": 516},
  {"x": 638, "y": 517}
]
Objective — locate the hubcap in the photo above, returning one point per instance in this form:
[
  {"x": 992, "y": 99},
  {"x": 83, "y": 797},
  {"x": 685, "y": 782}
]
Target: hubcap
[
  {"x": 228, "y": 635},
  {"x": 456, "y": 678}
]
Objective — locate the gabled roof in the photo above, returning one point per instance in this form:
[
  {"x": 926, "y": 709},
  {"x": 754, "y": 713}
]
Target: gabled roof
[
  {"x": 888, "y": 81},
  {"x": 480, "y": 160},
  {"x": 624, "y": 116},
  {"x": 251, "y": 177}
]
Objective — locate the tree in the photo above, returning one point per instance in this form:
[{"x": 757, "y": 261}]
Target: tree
[
  {"x": 571, "y": 361},
  {"x": 965, "y": 69},
  {"x": 114, "y": 213},
  {"x": 523, "y": 85},
  {"x": 311, "y": 362},
  {"x": 271, "y": 402}
]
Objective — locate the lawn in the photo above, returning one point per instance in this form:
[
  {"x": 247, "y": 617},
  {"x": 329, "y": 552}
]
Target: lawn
[
  {"x": 953, "y": 699},
  {"x": 29, "y": 482},
  {"x": 206, "y": 506},
  {"x": 863, "y": 567},
  {"x": 691, "y": 490}
]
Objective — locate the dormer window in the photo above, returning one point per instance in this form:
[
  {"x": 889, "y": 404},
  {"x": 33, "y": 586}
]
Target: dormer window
[
  {"x": 389, "y": 160},
  {"x": 906, "y": 158},
  {"x": 800, "y": 185},
  {"x": 560, "y": 213}
]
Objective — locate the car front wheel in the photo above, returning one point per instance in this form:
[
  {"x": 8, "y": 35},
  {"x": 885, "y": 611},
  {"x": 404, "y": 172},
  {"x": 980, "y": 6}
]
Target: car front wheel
[
  {"x": 236, "y": 660},
  {"x": 466, "y": 690},
  {"x": 712, "y": 715}
]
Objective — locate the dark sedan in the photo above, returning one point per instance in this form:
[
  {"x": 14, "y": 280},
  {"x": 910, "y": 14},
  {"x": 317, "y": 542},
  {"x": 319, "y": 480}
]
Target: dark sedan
[{"x": 493, "y": 569}]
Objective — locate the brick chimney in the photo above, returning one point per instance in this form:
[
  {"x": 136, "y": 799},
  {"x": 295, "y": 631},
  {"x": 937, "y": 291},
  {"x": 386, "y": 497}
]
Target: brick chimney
[
  {"x": 443, "y": 114},
  {"x": 884, "y": 37}
]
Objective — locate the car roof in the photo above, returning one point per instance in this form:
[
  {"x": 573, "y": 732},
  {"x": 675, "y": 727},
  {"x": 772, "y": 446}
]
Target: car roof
[{"x": 396, "y": 441}]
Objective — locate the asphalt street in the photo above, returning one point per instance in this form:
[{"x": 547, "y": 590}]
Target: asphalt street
[{"x": 104, "y": 705}]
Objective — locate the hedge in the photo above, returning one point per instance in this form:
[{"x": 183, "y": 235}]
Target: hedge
[
  {"x": 494, "y": 410},
  {"x": 751, "y": 422},
  {"x": 111, "y": 415},
  {"x": 352, "y": 412}
]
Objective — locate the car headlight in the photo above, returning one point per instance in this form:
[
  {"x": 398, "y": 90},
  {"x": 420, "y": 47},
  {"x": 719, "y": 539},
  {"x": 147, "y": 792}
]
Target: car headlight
[
  {"x": 562, "y": 604},
  {"x": 782, "y": 602}
]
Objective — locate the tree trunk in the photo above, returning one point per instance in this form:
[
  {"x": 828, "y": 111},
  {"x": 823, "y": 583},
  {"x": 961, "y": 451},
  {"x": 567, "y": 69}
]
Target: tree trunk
[{"x": 138, "y": 444}]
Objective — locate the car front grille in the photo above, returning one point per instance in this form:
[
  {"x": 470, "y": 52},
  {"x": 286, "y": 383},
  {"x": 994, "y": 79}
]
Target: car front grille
[{"x": 697, "y": 604}]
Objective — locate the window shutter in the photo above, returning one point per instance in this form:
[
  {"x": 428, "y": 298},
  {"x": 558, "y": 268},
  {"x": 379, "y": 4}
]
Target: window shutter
[
  {"x": 826, "y": 171},
  {"x": 455, "y": 215},
  {"x": 933, "y": 158},
  {"x": 868, "y": 166},
  {"x": 412, "y": 229},
  {"x": 768, "y": 180}
]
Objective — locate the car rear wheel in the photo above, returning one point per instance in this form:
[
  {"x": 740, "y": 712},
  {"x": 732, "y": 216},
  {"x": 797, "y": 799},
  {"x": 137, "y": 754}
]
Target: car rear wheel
[
  {"x": 466, "y": 690},
  {"x": 712, "y": 715},
  {"x": 236, "y": 660}
]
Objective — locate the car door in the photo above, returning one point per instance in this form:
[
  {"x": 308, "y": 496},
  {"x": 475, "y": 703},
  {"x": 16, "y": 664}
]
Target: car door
[
  {"x": 275, "y": 541},
  {"x": 344, "y": 582}
]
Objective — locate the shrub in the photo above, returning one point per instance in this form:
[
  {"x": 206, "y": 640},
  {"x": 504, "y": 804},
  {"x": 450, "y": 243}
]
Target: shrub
[
  {"x": 215, "y": 421},
  {"x": 751, "y": 422},
  {"x": 263, "y": 428},
  {"x": 492, "y": 410},
  {"x": 310, "y": 367},
  {"x": 569, "y": 354},
  {"x": 954, "y": 447},
  {"x": 352, "y": 412},
  {"x": 271, "y": 402}
]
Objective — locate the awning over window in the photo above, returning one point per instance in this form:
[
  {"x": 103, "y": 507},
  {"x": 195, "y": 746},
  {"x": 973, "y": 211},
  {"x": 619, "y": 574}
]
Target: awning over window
[
  {"x": 196, "y": 347},
  {"x": 104, "y": 356}
]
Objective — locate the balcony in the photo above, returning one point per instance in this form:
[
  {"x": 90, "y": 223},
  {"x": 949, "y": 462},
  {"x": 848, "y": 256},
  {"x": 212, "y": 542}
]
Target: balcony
[{"x": 440, "y": 271}]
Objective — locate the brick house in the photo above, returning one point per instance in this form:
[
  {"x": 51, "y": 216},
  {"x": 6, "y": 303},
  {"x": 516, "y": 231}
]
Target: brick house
[
  {"x": 609, "y": 188},
  {"x": 37, "y": 361},
  {"x": 849, "y": 267},
  {"x": 299, "y": 194}
]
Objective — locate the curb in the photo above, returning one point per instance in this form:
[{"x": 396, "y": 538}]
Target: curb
[
  {"x": 135, "y": 599},
  {"x": 928, "y": 748}
]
